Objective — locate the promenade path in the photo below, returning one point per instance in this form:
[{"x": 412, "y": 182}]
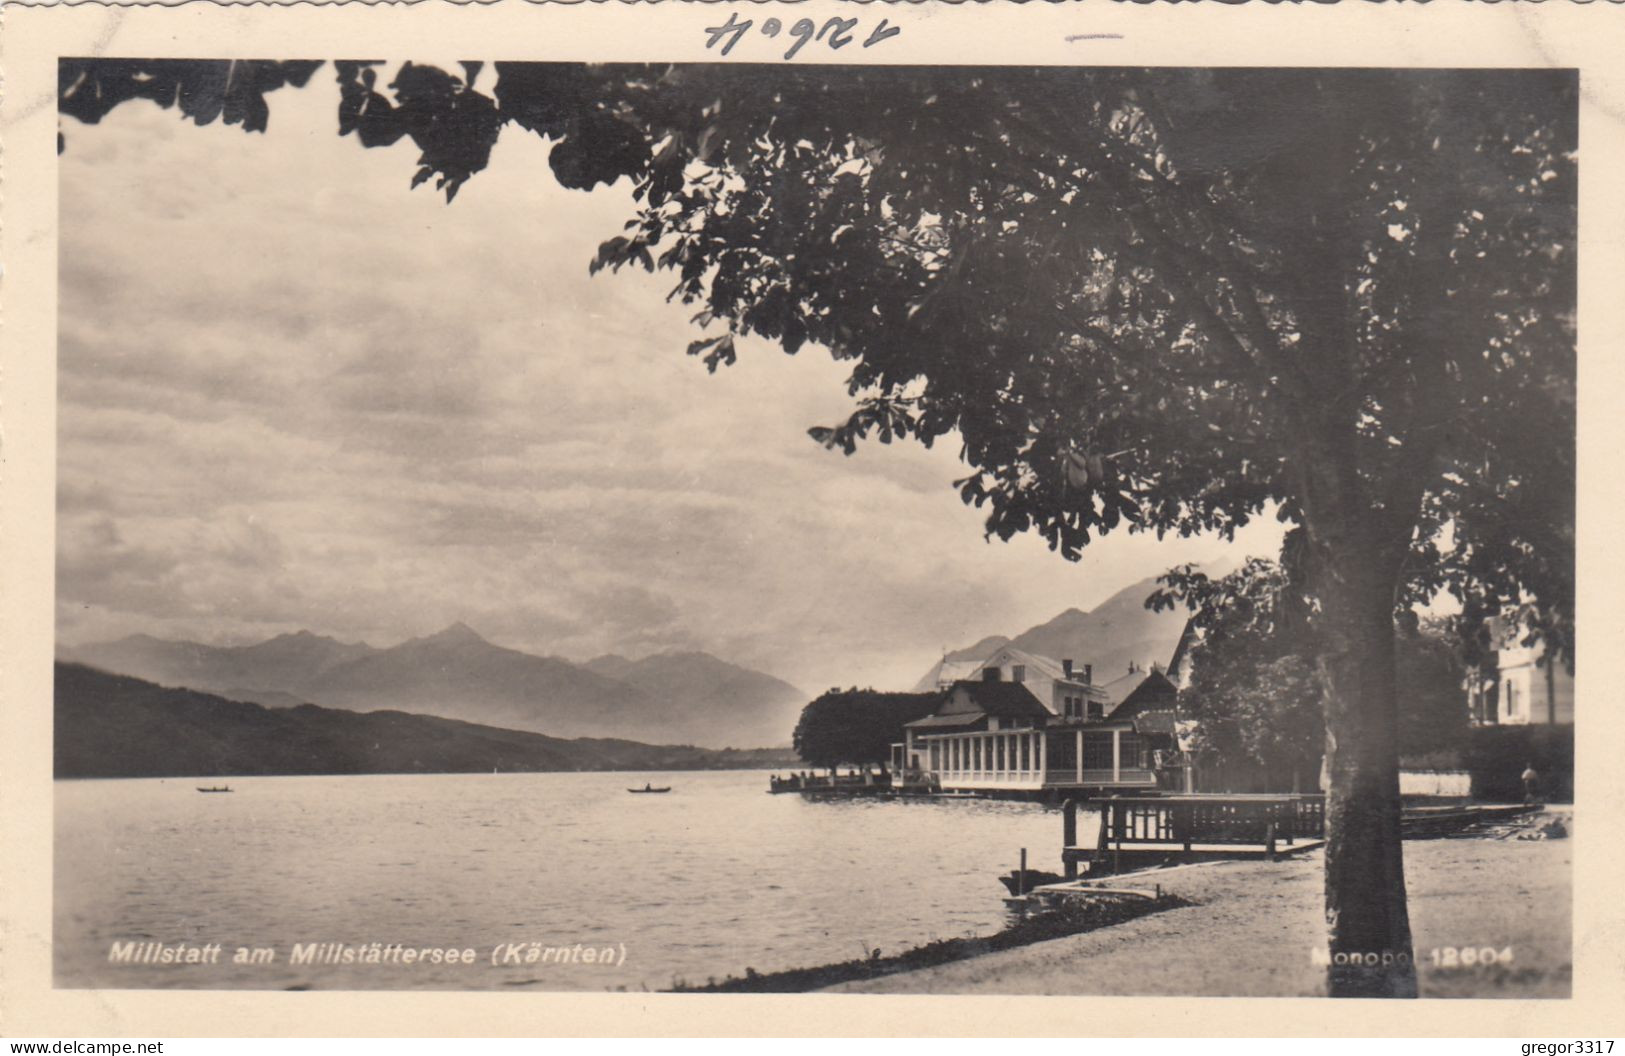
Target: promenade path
[{"x": 1256, "y": 922}]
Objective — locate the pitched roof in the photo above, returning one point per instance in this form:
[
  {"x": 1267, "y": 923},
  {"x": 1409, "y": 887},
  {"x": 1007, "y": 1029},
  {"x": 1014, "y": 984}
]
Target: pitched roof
[
  {"x": 1006, "y": 700},
  {"x": 1187, "y": 641},
  {"x": 1154, "y": 692},
  {"x": 946, "y": 672},
  {"x": 955, "y": 720},
  {"x": 1043, "y": 665},
  {"x": 1150, "y": 706},
  {"x": 1119, "y": 688}
]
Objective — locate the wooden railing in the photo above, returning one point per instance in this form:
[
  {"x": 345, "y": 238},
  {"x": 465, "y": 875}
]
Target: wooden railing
[
  {"x": 811, "y": 782},
  {"x": 1184, "y": 821},
  {"x": 1214, "y": 819}
]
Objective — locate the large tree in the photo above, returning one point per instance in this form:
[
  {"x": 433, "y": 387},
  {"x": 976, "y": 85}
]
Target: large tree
[
  {"x": 852, "y": 726},
  {"x": 1147, "y": 300},
  {"x": 1253, "y": 697}
]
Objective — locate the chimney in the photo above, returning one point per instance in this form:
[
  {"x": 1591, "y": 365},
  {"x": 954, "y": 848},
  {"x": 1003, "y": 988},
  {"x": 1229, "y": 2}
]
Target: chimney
[
  {"x": 1088, "y": 674},
  {"x": 1066, "y": 666}
]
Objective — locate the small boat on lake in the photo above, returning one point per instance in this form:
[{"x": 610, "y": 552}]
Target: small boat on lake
[
  {"x": 1022, "y": 881},
  {"x": 220, "y": 788},
  {"x": 648, "y": 790}
]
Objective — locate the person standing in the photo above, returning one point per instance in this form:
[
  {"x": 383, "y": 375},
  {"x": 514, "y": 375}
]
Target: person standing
[{"x": 1531, "y": 783}]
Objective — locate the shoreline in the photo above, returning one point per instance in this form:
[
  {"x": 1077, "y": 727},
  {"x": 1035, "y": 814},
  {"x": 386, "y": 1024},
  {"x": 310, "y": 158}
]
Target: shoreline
[
  {"x": 1076, "y": 918},
  {"x": 1251, "y": 928}
]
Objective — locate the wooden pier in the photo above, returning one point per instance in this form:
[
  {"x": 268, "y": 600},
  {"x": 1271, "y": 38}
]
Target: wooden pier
[
  {"x": 862, "y": 783},
  {"x": 1423, "y": 822},
  {"x": 1139, "y": 831}
]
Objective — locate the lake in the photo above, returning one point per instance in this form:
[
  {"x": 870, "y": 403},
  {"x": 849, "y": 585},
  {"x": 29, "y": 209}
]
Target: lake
[{"x": 715, "y": 877}]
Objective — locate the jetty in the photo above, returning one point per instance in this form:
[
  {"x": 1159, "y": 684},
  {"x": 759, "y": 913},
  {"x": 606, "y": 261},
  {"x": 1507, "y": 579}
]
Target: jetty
[
  {"x": 1138, "y": 832},
  {"x": 864, "y": 782},
  {"x": 1448, "y": 819}
]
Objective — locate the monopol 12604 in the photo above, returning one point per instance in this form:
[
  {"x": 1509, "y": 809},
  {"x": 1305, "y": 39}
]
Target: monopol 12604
[{"x": 1468, "y": 956}]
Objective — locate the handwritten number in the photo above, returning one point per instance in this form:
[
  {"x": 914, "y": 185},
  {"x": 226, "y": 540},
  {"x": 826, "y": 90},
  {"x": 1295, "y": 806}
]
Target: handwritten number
[
  {"x": 881, "y": 33},
  {"x": 843, "y": 32},
  {"x": 734, "y": 26},
  {"x": 803, "y": 30},
  {"x": 837, "y": 30}
]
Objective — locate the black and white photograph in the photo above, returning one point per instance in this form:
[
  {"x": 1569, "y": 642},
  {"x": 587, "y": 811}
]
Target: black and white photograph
[{"x": 764, "y": 526}]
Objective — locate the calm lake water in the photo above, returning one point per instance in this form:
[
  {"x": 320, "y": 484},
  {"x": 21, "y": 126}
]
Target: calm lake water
[{"x": 703, "y": 882}]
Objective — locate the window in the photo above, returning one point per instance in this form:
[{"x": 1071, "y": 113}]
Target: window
[
  {"x": 990, "y": 674},
  {"x": 1018, "y": 673},
  {"x": 1512, "y": 700},
  {"x": 1097, "y": 751},
  {"x": 1097, "y": 710}
]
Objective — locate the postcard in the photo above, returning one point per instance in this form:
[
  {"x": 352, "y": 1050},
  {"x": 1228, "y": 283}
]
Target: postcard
[{"x": 810, "y": 518}]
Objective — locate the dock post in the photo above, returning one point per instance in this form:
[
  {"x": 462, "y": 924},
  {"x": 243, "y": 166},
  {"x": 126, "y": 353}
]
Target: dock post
[
  {"x": 1069, "y": 837},
  {"x": 1021, "y": 874},
  {"x": 1269, "y": 838}
]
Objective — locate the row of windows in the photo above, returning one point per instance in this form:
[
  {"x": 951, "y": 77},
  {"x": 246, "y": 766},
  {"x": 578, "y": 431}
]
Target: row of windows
[
  {"x": 994, "y": 753},
  {"x": 1020, "y": 753},
  {"x": 1083, "y": 707}
]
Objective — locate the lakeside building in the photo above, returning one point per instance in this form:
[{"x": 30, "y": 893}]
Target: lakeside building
[
  {"x": 1026, "y": 723},
  {"x": 1523, "y": 689}
]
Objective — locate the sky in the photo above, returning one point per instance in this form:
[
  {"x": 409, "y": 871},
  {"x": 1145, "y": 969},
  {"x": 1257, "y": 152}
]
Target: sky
[{"x": 296, "y": 394}]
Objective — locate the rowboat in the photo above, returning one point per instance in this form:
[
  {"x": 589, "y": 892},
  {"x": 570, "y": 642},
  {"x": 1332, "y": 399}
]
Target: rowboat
[
  {"x": 648, "y": 790},
  {"x": 221, "y": 788}
]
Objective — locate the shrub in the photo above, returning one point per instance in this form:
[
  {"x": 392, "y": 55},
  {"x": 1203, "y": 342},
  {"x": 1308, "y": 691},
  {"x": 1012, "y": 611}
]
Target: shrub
[{"x": 1497, "y": 755}]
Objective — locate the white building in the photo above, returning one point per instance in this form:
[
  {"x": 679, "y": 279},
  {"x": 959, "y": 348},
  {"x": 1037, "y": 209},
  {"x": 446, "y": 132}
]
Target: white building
[
  {"x": 1520, "y": 689},
  {"x": 1063, "y": 688},
  {"x": 1530, "y": 691}
]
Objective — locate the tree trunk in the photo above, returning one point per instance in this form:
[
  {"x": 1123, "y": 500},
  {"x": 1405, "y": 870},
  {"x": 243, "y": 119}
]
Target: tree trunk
[
  {"x": 1551, "y": 684},
  {"x": 1367, "y": 920}
]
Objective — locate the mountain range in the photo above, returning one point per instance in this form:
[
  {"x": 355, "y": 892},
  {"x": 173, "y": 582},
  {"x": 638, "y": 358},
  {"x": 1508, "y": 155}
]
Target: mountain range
[
  {"x": 115, "y": 726},
  {"x": 1114, "y": 634},
  {"x": 674, "y": 698}
]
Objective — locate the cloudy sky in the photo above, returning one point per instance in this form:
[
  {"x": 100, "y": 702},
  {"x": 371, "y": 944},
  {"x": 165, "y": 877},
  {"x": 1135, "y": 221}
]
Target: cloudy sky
[{"x": 296, "y": 394}]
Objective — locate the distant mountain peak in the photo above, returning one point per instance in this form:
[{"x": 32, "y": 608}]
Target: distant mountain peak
[
  {"x": 1116, "y": 633},
  {"x": 458, "y": 633},
  {"x": 143, "y": 638},
  {"x": 297, "y": 636}
]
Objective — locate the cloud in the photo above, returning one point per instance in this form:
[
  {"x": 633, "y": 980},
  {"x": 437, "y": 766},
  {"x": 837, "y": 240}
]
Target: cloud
[{"x": 295, "y": 393}]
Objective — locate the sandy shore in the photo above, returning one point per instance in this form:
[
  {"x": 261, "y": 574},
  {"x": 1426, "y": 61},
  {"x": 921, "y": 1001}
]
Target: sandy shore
[{"x": 1255, "y": 924}]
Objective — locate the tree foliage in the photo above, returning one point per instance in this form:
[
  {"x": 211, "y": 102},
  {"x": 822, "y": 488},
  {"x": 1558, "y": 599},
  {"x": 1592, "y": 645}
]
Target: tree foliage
[
  {"x": 1253, "y": 694},
  {"x": 202, "y": 89},
  {"x": 857, "y": 725}
]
